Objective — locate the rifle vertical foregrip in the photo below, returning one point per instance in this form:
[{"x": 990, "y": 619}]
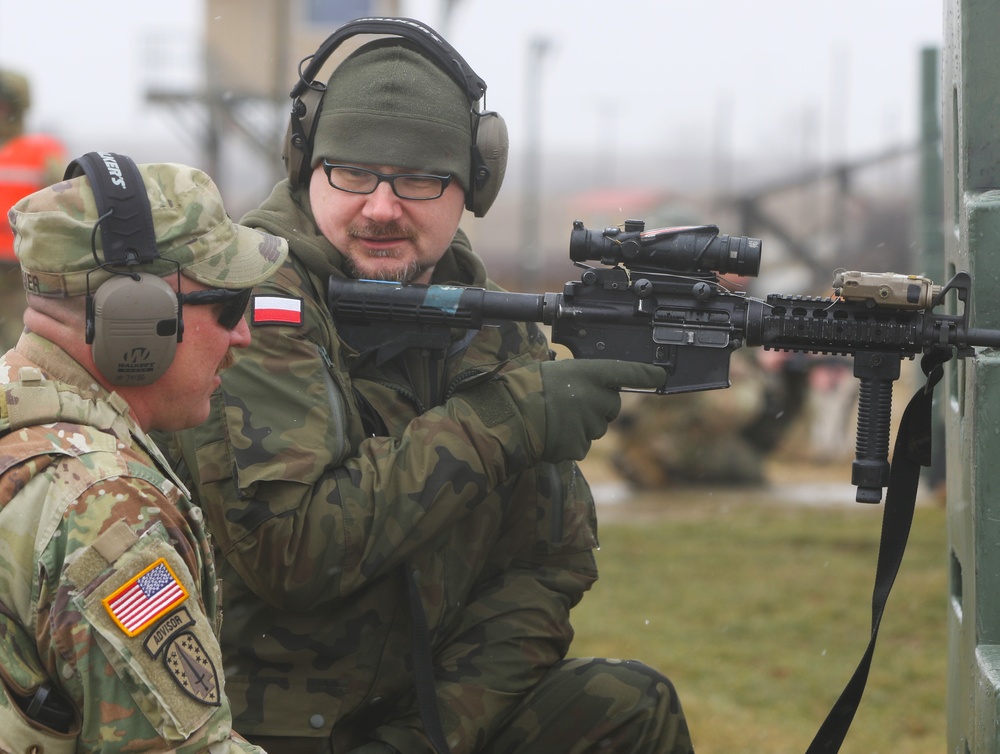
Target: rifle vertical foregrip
[{"x": 870, "y": 470}]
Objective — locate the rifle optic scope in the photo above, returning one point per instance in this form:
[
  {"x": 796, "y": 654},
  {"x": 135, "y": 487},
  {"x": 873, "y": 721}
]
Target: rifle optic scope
[{"x": 692, "y": 248}]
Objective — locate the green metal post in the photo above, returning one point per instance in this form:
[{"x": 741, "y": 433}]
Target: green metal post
[
  {"x": 970, "y": 99},
  {"x": 930, "y": 231}
]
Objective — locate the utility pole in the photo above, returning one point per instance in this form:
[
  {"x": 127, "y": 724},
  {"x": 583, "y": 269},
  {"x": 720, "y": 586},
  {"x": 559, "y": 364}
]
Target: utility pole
[
  {"x": 531, "y": 262},
  {"x": 447, "y": 12}
]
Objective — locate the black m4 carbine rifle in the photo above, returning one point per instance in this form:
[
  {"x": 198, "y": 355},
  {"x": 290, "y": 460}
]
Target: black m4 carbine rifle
[{"x": 658, "y": 299}]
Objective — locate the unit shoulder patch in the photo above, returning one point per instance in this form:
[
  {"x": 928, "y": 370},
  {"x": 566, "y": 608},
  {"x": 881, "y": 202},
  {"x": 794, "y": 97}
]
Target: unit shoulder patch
[{"x": 190, "y": 665}]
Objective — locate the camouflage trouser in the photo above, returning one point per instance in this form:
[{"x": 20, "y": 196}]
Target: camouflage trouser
[{"x": 581, "y": 705}]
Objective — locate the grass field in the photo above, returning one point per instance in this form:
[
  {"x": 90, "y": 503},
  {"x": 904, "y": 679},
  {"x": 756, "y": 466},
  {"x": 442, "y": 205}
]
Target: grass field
[{"x": 760, "y": 612}]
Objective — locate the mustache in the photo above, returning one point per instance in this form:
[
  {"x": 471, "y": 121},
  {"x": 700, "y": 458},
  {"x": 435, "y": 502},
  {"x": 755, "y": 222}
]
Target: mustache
[
  {"x": 377, "y": 230},
  {"x": 227, "y": 361}
]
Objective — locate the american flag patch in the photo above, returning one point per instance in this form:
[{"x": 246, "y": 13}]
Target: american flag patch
[
  {"x": 276, "y": 310},
  {"x": 146, "y": 597}
]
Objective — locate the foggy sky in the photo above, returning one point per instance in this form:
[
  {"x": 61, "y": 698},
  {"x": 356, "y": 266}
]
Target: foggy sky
[{"x": 781, "y": 80}]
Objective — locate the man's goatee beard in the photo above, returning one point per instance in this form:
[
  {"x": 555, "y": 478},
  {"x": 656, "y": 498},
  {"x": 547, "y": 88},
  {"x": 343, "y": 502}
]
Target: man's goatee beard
[{"x": 405, "y": 274}]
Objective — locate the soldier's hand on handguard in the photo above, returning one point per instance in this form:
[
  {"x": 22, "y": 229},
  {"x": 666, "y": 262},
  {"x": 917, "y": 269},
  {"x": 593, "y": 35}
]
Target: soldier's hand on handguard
[{"x": 577, "y": 400}]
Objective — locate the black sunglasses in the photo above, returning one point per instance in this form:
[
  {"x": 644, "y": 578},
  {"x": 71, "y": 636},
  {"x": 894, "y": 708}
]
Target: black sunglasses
[{"x": 234, "y": 303}]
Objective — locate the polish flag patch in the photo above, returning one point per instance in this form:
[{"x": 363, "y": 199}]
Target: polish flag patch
[{"x": 276, "y": 310}]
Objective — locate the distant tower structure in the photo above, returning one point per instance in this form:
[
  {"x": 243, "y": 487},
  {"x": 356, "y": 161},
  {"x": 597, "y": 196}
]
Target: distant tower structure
[{"x": 251, "y": 52}]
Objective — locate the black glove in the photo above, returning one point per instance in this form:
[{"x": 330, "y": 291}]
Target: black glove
[{"x": 578, "y": 398}]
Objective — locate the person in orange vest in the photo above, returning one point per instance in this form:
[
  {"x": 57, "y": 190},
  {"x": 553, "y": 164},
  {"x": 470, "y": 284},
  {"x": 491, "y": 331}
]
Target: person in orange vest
[{"x": 28, "y": 162}]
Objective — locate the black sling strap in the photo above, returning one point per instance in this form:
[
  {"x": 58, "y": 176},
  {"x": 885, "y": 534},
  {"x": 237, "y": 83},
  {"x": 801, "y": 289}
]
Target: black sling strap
[
  {"x": 911, "y": 451},
  {"x": 423, "y": 668}
]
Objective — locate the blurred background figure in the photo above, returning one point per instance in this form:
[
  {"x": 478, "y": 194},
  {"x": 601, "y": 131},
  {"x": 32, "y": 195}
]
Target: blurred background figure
[
  {"x": 715, "y": 436},
  {"x": 28, "y": 162}
]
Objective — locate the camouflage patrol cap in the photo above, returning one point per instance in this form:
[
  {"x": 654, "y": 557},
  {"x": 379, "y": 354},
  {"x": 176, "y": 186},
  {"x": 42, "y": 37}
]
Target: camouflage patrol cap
[{"x": 53, "y": 228}]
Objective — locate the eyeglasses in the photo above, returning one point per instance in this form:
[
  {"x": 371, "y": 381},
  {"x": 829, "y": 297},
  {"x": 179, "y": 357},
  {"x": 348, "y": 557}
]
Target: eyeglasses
[
  {"x": 356, "y": 180},
  {"x": 234, "y": 303}
]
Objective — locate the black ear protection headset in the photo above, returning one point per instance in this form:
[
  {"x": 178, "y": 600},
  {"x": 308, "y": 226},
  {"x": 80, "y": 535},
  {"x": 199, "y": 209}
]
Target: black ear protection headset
[
  {"x": 489, "y": 132},
  {"x": 134, "y": 320}
]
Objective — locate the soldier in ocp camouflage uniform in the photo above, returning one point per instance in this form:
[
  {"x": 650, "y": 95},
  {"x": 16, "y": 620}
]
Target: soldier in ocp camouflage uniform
[
  {"x": 403, "y": 527},
  {"x": 108, "y": 604}
]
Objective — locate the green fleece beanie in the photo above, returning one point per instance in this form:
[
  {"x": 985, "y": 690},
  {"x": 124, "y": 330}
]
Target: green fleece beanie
[{"x": 387, "y": 104}]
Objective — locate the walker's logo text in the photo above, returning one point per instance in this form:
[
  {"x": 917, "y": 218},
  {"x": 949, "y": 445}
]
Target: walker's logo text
[
  {"x": 135, "y": 362},
  {"x": 112, "y": 165}
]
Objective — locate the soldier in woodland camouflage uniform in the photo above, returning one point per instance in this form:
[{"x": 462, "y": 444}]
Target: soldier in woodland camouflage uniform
[
  {"x": 403, "y": 527},
  {"x": 108, "y": 602}
]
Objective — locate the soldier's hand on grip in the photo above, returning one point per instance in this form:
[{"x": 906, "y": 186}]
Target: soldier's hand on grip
[
  {"x": 582, "y": 397},
  {"x": 576, "y": 401}
]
